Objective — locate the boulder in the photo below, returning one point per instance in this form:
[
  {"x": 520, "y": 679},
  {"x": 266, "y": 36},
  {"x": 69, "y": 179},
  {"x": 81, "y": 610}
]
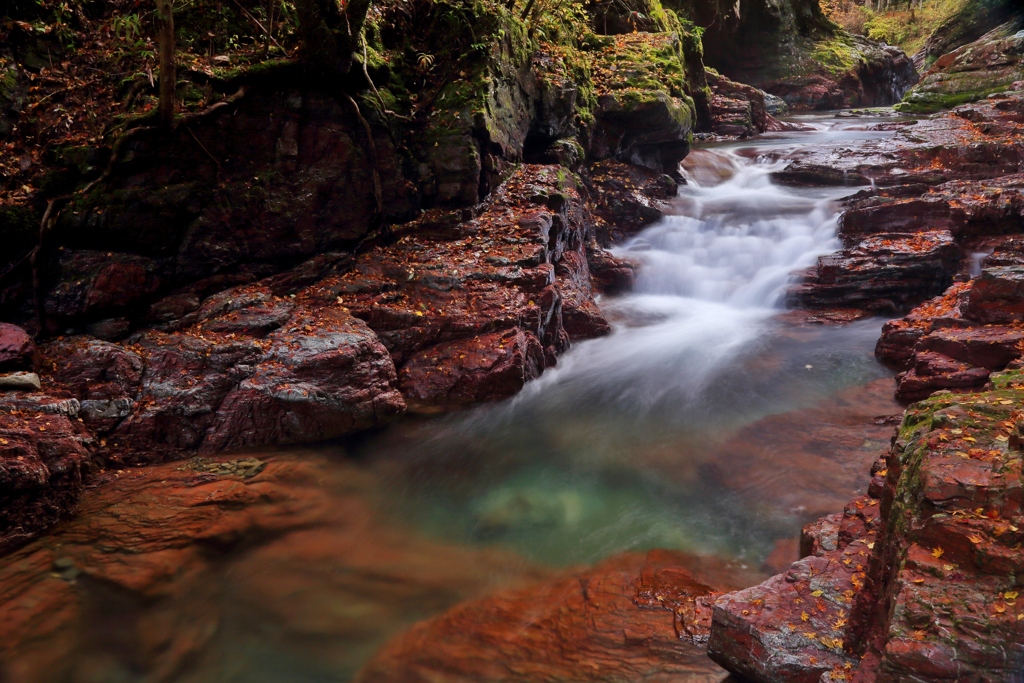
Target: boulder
[
  {"x": 17, "y": 350},
  {"x": 632, "y": 617},
  {"x": 219, "y": 385},
  {"x": 644, "y": 116},
  {"x": 991, "y": 64},
  {"x": 323, "y": 375}
]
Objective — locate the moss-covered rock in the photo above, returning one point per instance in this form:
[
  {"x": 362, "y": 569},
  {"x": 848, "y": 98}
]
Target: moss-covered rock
[
  {"x": 644, "y": 114},
  {"x": 974, "y": 19},
  {"x": 788, "y": 48},
  {"x": 990, "y": 64}
]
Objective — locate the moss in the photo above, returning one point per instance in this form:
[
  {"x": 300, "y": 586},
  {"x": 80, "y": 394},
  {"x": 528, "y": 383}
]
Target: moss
[
  {"x": 919, "y": 101},
  {"x": 837, "y": 54},
  {"x": 641, "y": 64}
]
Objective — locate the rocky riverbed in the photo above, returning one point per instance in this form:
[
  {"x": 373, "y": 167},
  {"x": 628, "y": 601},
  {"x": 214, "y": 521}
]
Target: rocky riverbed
[{"x": 558, "y": 244}]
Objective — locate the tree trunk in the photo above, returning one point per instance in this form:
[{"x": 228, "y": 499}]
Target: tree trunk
[
  {"x": 330, "y": 34},
  {"x": 168, "y": 74}
]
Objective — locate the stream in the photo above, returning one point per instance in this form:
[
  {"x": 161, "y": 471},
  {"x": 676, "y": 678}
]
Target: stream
[
  {"x": 623, "y": 446},
  {"x": 708, "y": 422}
]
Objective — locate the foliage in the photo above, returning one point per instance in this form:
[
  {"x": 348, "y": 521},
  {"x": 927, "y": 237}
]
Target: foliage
[
  {"x": 85, "y": 66},
  {"x": 906, "y": 25}
]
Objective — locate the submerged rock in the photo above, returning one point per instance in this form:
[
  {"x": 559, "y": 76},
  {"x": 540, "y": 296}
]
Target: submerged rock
[
  {"x": 917, "y": 582},
  {"x": 184, "y": 566},
  {"x": 632, "y": 617}
]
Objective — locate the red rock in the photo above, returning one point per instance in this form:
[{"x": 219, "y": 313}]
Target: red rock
[
  {"x": 965, "y": 208},
  {"x": 90, "y": 369},
  {"x": 941, "y": 347},
  {"x": 487, "y": 367},
  {"x": 899, "y": 337},
  {"x": 883, "y": 272},
  {"x": 990, "y": 346},
  {"x": 632, "y": 617},
  {"x": 609, "y": 274},
  {"x": 997, "y": 296},
  {"x": 796, "y": 625},
  {"x": 17, "y": 350},
  {"x": 627, "y": 198},
  {"x": 952, "y": 491},
  {"x": 516, "y": 262},
  {"x": 319, "y": 376},
  {"x": 42, "y": 458},
  {"x": 931, "y": 568},
  {"x": 200, "y": 547},
  {"x": 94, "y": 283},
  {"x": 313, "y": 383}
]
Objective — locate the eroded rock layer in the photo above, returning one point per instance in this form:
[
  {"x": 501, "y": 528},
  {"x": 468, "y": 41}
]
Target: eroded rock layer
[
  {"x": 943, "y": 190},
  {"x": 917, "y": 581}
]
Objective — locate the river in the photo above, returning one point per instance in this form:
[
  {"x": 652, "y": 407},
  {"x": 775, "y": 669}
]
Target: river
[{"x": 709, "y": 422}]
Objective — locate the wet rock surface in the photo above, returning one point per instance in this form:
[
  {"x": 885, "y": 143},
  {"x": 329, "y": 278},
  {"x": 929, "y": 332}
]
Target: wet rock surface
[
  {"x": 955, "y": 340},
  {"x": 632, "y": 617},
  {"x": 148, "y": 578},
  {"x": 916, "y": 581},
  {"x": 882, "y": 273},
  {"x": 470, "y": 310},
  {"x": 456, "y": 308},
  {"x": 943, "y": 189},
  {"x": 628, "y": 199}
]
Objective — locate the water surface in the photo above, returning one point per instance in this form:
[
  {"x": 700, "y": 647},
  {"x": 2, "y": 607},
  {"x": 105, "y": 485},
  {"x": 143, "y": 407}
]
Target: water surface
[{"x": 707, "y": 422}]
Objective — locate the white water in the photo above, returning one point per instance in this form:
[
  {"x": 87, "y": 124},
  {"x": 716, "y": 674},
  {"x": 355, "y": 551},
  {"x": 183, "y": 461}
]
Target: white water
[
  {"x": 626, "y": 427},
  {"x": 710, "y": 276}
]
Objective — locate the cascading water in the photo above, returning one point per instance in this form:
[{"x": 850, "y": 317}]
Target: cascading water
[
  {"x": 623, "y": 444},
  {"x": 706, "y": 422}
]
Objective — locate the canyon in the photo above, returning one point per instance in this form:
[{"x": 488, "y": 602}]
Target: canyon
[{"x": 564, "y": 354}]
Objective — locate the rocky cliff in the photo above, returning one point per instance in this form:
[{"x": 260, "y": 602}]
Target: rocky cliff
[{"x": 790, "y": 49}]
